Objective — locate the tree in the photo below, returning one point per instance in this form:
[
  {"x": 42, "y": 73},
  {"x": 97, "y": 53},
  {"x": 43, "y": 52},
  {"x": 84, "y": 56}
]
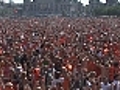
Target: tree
[{"x": 108, "y": 10}]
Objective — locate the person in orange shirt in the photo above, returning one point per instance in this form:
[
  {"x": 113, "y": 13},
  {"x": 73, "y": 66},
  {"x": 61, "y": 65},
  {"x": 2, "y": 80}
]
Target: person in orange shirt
[
  {"x": 66, "y": 82},
  {"x": 113, "y": 70},
  {"x": 1, "y": 84},
  {"x": 91, "y": 66}
]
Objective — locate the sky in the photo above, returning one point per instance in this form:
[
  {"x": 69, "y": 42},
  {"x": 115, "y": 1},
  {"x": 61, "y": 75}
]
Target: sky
[{"x": 83, "y": 1}]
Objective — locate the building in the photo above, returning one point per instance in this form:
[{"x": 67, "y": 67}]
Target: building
[
  {"x": 111, "y": 2},
  {"x": 50, "y": 7},
  {"x": 93, "y": 4}
]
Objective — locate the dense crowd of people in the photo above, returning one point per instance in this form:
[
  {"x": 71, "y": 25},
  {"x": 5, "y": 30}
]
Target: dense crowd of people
[{"x": 59, "y": 53}]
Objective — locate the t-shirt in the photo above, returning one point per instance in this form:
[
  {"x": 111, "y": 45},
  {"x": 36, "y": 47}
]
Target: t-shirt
[
  {"x": 112, "y": 72},
  {"x": 91, "y": 66},
  {"x": 116, "y": 85},
  {"x": 105, "y": 87},
  {"x": 66, "y": 83},
  {"x": 27, "y": 87}
]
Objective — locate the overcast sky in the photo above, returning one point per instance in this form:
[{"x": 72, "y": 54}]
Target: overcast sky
[{"x": 83, "y": 1}]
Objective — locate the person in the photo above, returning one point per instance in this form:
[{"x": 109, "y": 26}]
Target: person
[
  {"x": 1, "y": 84},
  {"x": 56, "y": 42},
  {"x": 116, "y": 82},
  {"x": 9, "y": 86},
  {"x": 105, "y": 85},
  {"x": 66, "y": 82}
]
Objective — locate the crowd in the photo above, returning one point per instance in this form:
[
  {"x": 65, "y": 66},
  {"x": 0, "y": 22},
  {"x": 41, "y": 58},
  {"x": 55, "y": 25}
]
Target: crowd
[{"x": 60, "y": 53}]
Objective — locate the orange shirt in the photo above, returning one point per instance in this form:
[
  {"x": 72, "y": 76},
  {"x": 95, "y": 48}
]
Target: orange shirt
[
  {"x": 62, "y": 40},
  {"x": 112, "y": 72},
  {"x": 1, "y": 51},
  {"x": 1, "y": 88},
  {"x": 66, "y": 84},
  {"x": 93, "y": 67}
]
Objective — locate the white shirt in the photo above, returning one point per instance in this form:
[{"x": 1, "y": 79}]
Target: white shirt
[
  {"x": 55, "y": 81},
  {"x": 117, "y": 84},
  {"x": 105, "y": 86}
]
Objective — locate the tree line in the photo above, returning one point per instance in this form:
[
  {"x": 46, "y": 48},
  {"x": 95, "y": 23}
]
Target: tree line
[{"x": 107, "y": 10}]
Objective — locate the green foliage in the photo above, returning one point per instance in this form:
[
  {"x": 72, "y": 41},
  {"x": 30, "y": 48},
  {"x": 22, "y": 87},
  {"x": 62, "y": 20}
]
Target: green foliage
[
  {"x": 108, "y": 10},
  {"x": 6, "y": 11}
]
